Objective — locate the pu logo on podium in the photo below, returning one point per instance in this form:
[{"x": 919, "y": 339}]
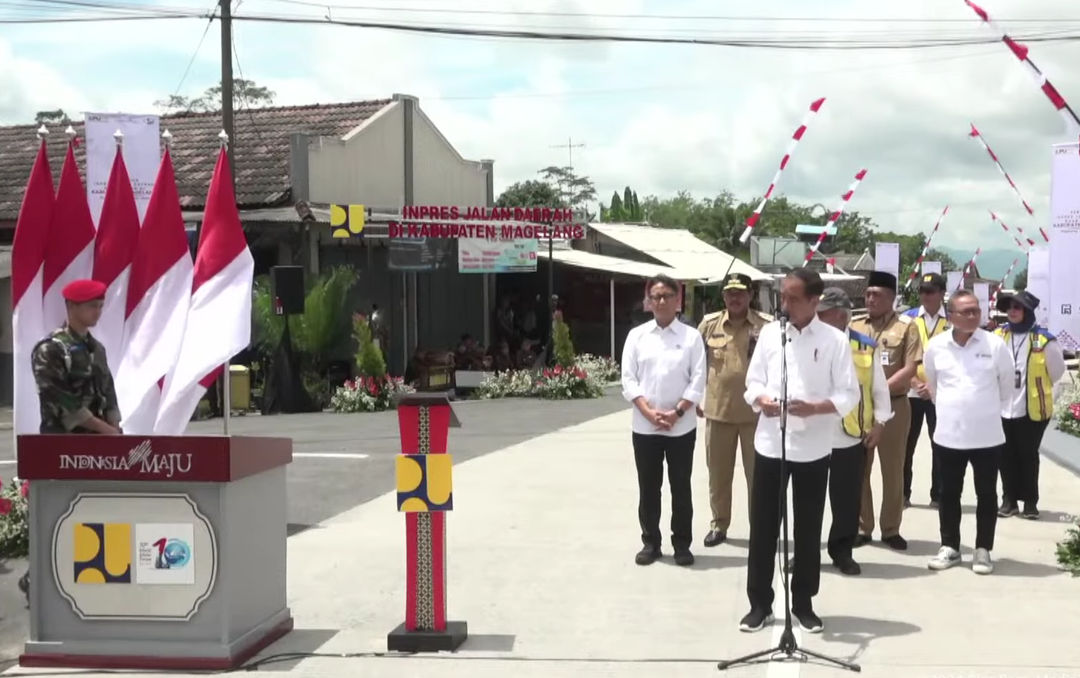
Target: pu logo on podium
[
  {"x": 424, "y": 483},
  {"x": 163, "y": 553},
  {"x": 102, "y": 553}
]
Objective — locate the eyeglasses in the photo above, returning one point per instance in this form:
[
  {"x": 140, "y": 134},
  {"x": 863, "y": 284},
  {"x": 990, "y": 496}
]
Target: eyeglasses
[
  {"x": 969, "y": 312},
  {"x": 661, "y": 297}
]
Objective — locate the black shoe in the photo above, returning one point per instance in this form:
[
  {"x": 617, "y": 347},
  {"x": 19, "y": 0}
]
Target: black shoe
[
  {"x": 934, "y": 504},
  {"x": 715, "y": 538},
  {"x": 756, "y": 619},
  {"x": 647, "y": 555},
  {"x": 1030, "y": 511},
  {"x": 847, "y": 566},
  {"x": 862, "y": 540},
  {"x": 1008, "y": 509},
  {"x": 683, "y": 557},
  {"x": 907, "y": 502},
  {"x": 810, "y": 622},
  {"x": 895, "y": 542}
]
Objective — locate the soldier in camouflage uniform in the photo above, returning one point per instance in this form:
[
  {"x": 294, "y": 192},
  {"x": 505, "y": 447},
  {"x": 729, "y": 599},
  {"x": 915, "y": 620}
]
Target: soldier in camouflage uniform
[{"x": 75, "y": 387}]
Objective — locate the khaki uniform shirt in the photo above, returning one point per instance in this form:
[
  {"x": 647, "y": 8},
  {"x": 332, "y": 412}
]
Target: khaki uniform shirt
[
  {"x": 728, "y": 346},
  {"x": 898, "y": 343}
]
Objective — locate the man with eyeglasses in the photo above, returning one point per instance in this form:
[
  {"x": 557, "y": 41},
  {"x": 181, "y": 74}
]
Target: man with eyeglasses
[
  {"x": 970, "y": 375},
  {"x": 663, "y": 375},
  {"x": 1038, "y": 364}
]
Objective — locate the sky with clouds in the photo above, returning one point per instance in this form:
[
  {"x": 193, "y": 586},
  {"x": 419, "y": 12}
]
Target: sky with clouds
[{"x": 660, "y": 118}]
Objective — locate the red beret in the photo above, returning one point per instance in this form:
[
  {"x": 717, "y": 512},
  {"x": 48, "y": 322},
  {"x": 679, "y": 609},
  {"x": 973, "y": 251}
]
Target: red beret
[{"x": 79, "y": 291}]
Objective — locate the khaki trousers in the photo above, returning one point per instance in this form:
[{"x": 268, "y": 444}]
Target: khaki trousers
[
  {"x": 721, "y": 440},
  {"x": 891, "y": 452}
]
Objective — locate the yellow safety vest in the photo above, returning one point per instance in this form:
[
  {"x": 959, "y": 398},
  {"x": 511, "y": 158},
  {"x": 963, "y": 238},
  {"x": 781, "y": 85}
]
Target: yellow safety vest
[
  {"x": 859, "y": 421},
  {"x": 925, "y": 336},
  {"x": 1040, "y": 388}
]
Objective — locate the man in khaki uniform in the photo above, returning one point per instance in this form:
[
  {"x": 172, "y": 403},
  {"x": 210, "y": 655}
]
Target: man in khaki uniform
[
  {"x": 900, "y": 352},
  {"x": 730, "y": 337}
]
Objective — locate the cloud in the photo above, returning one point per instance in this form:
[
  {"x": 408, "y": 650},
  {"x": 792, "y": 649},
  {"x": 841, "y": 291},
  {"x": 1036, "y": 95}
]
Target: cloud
[{"x": 660, "y": 118}]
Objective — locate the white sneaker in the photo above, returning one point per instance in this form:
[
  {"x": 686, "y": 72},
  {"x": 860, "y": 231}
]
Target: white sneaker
[
  {"x": 946, "y": 557},
  {"x": 982, "y": 563}
]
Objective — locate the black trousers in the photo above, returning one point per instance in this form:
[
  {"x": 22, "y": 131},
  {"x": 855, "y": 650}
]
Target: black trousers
[
  {"x": 650, "y": 451},
  {"x": 809, "y": 483},
  {"x": 922, "y": 409},
  {"x": 1020, "y": 460},
  {"x": 984, "y": 467},
  {"x": 846, "y": 467}
]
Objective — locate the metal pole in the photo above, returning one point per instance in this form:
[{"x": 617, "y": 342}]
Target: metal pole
[
  {"x": 227, "y": 78},
  {"x": 226, "y": 397},
  {"x": 611, "y": 301}
]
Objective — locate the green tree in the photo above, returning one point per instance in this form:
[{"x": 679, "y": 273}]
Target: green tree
[
  {"x": 246, "y": 94},
  {"x": 531, "y": 193},
  {"x": 369, "y": 359},
  {"x": 1020, "y": 280},
  {"x": 576, "y": 191},
  {"x": 564, "y": 347},
  {"x": 57, "y": 117}
]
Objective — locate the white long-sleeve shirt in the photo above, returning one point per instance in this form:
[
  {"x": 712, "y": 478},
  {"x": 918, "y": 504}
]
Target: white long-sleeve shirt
[
  {"x": 937, "y": 320},
  {"x": 819, "y": 367},
  {"x": 970, "y": 385},
  {"x": 666, "y": 365},
  {"x": 883, "y": 411},
  {"x": 1019, "y": 346}
]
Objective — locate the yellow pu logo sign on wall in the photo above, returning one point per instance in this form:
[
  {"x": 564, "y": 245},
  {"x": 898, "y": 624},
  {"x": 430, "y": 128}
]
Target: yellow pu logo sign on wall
[
  {"x": 102, "y": 553},
  {"x": 347, "y": 220}
]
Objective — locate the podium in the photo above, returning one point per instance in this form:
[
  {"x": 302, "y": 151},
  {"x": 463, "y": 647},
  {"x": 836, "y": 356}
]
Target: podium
[{"x": 155, "y": 552}]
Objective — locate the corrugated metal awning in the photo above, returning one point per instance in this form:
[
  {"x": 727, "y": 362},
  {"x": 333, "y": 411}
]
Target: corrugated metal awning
[
  {"x": 680, "y": 249},
  {"x": 615, "y": 265}
]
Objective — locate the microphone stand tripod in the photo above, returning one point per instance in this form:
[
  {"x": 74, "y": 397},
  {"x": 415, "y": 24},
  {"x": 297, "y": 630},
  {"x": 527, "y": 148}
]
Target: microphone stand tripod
[{"x": 787, "y": 649}]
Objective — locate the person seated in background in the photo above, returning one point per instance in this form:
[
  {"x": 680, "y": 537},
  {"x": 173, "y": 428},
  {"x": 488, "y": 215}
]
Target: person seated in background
[
  {"x": 526, "y": 355},
  {"x": 469, "y": 355},
  {"x": 501, "y": 360}
]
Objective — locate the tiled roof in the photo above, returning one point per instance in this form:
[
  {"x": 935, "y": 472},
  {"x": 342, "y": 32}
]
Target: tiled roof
[{"x": 261, "y": 152}]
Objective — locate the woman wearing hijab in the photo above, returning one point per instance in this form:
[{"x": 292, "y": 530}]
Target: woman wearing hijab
[{"x": 1039, "y": 364}]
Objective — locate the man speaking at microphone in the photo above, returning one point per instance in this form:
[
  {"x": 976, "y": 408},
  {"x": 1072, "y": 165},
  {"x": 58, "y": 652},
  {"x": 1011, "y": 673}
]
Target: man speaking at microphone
[{"x": 821, "y": 390}]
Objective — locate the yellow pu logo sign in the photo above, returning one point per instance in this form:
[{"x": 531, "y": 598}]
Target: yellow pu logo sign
[
  {"x": 102, "y": 553},
  {"x": 347, "y": 220}
]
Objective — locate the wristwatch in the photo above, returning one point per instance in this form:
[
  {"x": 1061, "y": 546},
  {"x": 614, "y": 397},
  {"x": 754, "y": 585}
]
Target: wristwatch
[{"x": 679, "y": 411}]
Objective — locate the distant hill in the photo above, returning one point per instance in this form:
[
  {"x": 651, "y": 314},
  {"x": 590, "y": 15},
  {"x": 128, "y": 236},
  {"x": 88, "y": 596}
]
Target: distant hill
[{"x": 992, "y": 263}]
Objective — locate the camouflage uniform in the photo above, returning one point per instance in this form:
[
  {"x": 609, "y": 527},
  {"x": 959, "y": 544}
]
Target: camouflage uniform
[{"x": 74, "y": 382}]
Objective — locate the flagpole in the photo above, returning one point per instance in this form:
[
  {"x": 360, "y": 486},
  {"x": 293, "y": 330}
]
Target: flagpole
[{"x": 226, "y": 377}]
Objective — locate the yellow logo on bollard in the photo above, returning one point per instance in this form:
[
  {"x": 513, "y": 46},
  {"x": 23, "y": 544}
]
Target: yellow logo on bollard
[
  {"x": 102, "y": 553},
  {"x": 424, "y": 483}
]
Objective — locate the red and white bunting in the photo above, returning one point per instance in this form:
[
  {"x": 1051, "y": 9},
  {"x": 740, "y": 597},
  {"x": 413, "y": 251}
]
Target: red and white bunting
[
  {"x": 970, "y": 265},
  {"x": 1030, "y": 242},
  {"x": 1004, "y": 279},
  {"x": 993, "y": 156},
  {"x": 753, "y": 219},
  {"x": 925, "y": 249},
  {"x": 844, "y": 200},
  {"x": 1072, "y": 122}
]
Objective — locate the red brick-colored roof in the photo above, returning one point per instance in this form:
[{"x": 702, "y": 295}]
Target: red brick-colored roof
[{"x": 260, "y": 150}]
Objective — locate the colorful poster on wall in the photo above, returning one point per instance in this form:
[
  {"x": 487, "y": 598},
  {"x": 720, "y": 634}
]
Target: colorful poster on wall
[{"x": 480, "y": 255}]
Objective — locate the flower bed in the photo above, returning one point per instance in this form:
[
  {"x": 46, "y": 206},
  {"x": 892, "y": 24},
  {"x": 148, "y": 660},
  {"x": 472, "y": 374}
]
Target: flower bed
[
  {"x": 14, "y": 527},
  {"x": 1067, "y": 410},
  {"x": 586, "y": 379},
  {"x": 369, "y": 394}
]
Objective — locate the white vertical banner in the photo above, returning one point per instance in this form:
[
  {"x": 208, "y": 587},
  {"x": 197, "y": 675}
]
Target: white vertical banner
[
  {"x": 982, "y": 293},
  {"x": 887, "y": 258},
  {"x": 1064, "y": 234},
  {"x": 1038, "y": 281},
  {"x": 142, "y": 156},
  {"x": 953, "y": 280},
  {"x": 929, "y": 267}
]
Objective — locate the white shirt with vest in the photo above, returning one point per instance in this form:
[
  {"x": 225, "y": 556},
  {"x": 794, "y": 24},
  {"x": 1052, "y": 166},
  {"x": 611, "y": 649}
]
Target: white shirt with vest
[
  {"x": 970, "y": 386},
  {"x": 666, "y": 365},
  {"x": 879, "y": 389},
  {"x": 820, "y": 367},
  {"x": 1019, "y": 345},
  {"x": 933, "y": 322}
]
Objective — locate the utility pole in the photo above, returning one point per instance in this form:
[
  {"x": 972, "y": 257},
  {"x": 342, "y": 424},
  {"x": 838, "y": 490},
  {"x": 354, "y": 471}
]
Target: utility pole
[{"x": 227, "y": 82}]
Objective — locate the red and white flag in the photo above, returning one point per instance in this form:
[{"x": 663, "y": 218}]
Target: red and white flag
[
  {"x": 69, "y": 250},
  {"x": 835, "y": 216},
  {"x": 27, "y": 259},
  {"x": 159, "y": 291},
  {"x": 219, "y": 319},
  {"x": 114, "y": 250}
]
